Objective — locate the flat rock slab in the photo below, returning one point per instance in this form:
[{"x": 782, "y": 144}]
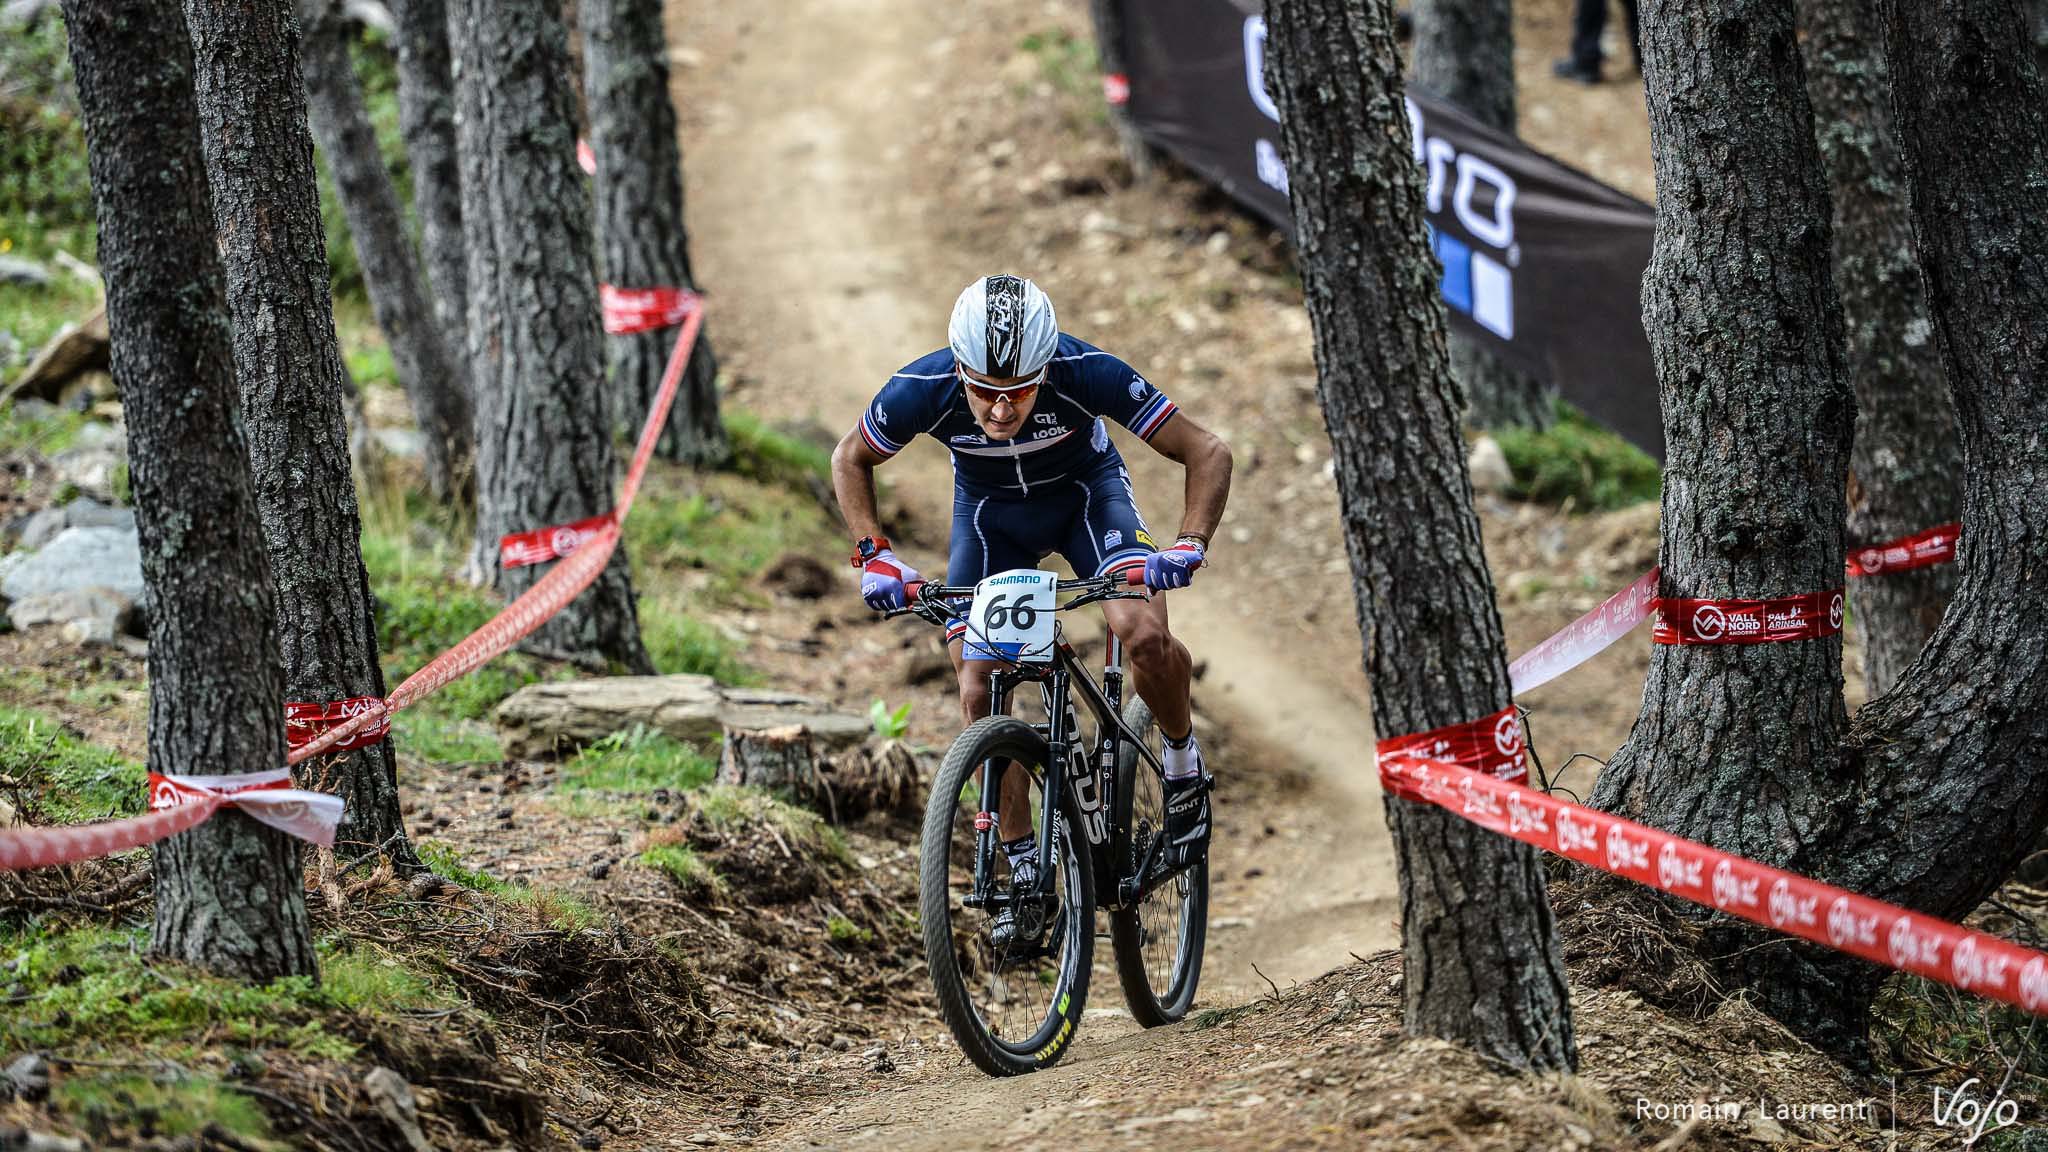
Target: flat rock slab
[
  {"x": 40, "y": 528},
  {"x": 79, "y": 558},
  {"x": 561, "y": 716},
  {"x": 100, "y": 613}
]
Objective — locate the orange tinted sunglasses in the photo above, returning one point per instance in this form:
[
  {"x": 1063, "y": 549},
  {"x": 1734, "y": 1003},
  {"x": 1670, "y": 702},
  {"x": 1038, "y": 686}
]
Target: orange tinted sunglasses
[{"x": 1014, "y": 393}]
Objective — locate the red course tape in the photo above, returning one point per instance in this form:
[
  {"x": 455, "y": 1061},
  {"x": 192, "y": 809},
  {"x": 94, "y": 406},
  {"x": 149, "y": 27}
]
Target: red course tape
[
  {"x": 632, "y": 310},
  {"x": 1936, "y": 545},
  {"x": 1805, "y": 617},
  {"x": 1491, "y": 744},
  {"x": 305, "y": 723},
  {"x": 1116, "y": 88},
  {"x": 1822, "y": 913},
  {"x": 544, "y": 544},
  {"x": 586, "y": 159},
  {"x": 179, "y": 803}
]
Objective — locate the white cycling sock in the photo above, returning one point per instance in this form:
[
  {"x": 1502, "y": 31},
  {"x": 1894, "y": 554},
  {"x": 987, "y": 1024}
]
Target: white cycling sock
[
  {"x": 1183, "y": 760},
  {"x": 1023, "y": 853}
]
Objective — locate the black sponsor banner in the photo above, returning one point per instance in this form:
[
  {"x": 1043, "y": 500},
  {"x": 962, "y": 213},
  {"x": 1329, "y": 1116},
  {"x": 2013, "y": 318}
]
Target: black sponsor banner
[{"x": 1542, "y": 263}]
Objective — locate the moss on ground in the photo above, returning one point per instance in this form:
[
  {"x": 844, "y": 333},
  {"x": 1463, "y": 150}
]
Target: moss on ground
[{"x": 68, "y": 779}]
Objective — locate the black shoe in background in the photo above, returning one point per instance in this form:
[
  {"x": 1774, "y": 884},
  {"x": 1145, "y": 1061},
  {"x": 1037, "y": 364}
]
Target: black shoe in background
[{"x": 1569, "y": 69}]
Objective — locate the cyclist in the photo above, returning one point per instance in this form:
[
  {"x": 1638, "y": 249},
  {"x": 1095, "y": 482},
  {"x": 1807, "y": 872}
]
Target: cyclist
[{"x": 1020, "y": 405}]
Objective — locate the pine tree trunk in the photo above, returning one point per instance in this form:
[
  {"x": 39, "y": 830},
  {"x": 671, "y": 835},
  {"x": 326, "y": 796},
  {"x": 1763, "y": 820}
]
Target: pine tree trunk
[
  {"x": 228, "y": 895},
  {"x": 1109, "y": 51},
  {"x": 1906, "y": 466},
  {"x": 1481, "y": 957},
  {"x": 1465, "y": 53},
  {"x": 427, "y": 370},
  {"x": 259, "y": 161},
  {"x": 1743, "y": 747},
  {"x": 1738, "y": 746},
  {"x": 426, "y": 114},
  {"x": 640, "y": 221},
  {"x": 535, "y": 348}
]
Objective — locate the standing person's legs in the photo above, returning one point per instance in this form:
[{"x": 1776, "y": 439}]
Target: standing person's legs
[
  {"x": 1635, "y": 32},
  {"x": 1589, "y": 18}
]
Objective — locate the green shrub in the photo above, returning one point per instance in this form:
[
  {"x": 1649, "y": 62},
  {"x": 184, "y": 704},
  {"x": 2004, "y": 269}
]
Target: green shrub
[
  {"x": 1577, "y": 461},
  {"x": 889, "y": 725}
]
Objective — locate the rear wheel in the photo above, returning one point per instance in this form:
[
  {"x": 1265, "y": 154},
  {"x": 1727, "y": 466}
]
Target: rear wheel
[
  {"x": 1158, "y": 940},
  {"x": 1013, "y": 1009}
]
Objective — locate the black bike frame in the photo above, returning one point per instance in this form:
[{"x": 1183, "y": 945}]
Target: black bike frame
[{"x": 1057, "y": 681}]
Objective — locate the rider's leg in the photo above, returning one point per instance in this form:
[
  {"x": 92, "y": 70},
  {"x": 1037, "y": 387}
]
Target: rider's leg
[
  {"x": 1162, "y": 672},
  {"x": 1013, "y": 807}
]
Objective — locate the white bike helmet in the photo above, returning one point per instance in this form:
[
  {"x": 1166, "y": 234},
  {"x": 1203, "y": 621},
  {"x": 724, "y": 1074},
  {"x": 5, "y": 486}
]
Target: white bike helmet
[{"x": 1003, "y": 327}]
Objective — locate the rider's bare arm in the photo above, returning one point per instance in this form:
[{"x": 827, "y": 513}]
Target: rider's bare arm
[
  {"x": 1207, "y": 460},
  {"x": 853, "y": 482}
]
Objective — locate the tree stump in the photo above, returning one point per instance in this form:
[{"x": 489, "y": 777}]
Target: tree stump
[{"x": 878, "y": 777}]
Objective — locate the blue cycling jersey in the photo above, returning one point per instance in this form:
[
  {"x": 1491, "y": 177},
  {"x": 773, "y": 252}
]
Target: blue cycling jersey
[{"x": 1064, "y": 437}]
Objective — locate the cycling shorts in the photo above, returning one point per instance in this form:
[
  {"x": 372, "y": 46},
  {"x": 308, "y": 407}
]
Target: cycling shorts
[{"x": 1092, "y": 522}]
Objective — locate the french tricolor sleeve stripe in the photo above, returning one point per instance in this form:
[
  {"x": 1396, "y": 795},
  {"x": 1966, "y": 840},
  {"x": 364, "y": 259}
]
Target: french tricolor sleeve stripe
[
  {"x": 1152, "y": 416},
  {"x": 1122, "y": 561},
  {"x": 874, "y": 437}
]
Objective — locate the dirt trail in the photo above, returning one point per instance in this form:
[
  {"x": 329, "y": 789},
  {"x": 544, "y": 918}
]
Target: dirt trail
[{"x": 811, "y": 204}]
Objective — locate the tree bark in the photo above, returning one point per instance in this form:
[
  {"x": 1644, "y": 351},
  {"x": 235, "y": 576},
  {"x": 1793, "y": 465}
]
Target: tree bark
[
  {"x": 259, "y": 161},
  {"x": 1480, "y": 950},
  {"x": 535, "y": 350},
  {"x": 426, "y": 115},
  {"x": 1744, "y": 747},
  {"x": 427, "y": 370},
  {"x": 640, "y": 221},
  {"x": 1906, "y": 466},
  {"x": 1465, "y": 53},
  {"x": 228, "y": 893},
  {"x": 1109, "y": 51},
  {"x": 1739, "y": 746}
]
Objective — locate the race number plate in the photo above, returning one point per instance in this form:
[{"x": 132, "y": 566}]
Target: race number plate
[{"x": 1012, "y": 617}]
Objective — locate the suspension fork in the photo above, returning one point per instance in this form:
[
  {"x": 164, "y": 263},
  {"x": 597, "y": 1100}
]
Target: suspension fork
[{"x": 987, "y": 820}]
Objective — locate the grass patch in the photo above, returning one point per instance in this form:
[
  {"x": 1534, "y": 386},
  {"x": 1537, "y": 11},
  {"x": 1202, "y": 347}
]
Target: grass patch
[
  {"x": 764, "y": 454},
  {"x": 1577, "y": 463},
  {"x": 106, "y": 1104},
  {"x": 45, "y": 435},
  {"x": 725, "y": 806},
  {"x": 95, "y": 986},
  {"x": 640, "y": 759},
  {"x": 731, "y": 529},
  {"x": 557, "y": 910},
  {"x": 363, "y": 347},
  {"x": 683, "y": 866},
  {"x": 679, "y": 643},
  {"x": 845, "y": 931},
  {"x": 1069, "y": 64},
  {"x": 72, "y": 780}
]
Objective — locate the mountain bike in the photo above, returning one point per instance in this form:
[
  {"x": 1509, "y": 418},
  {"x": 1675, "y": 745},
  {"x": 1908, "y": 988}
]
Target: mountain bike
[{"x": 1098, "y": 814}]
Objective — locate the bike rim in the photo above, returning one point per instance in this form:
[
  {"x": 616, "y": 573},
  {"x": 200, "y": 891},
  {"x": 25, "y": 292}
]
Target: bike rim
[
  {"x": 1020, "y": 998},
  {"x": 1166, "y": 914}
]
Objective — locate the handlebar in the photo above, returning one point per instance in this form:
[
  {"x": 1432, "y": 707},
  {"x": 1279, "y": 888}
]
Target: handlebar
[
  {"x": 930, "y": 601},
  {"x": 1131, "y": 577}
]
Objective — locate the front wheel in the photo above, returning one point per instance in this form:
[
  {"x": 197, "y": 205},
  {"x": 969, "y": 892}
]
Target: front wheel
[
  {"x": 1159, "y": 939},
  {"x": 1012, "y": 1008}
]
